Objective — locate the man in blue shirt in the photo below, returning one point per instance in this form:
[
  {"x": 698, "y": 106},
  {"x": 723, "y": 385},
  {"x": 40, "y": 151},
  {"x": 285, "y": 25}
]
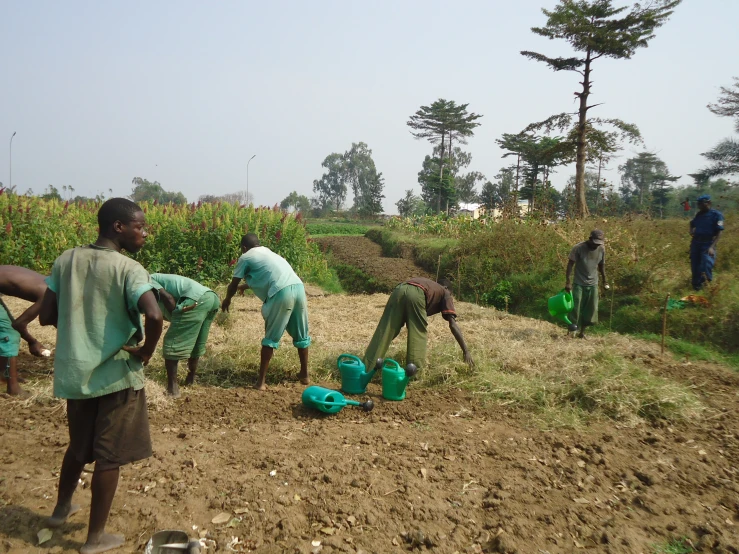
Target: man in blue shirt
[{"x": 705, "y": 228}]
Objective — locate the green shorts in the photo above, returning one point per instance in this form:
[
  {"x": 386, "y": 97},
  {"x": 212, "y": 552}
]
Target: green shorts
[
  {"x": 10, "y": 339},
  {"x": 287, "y": 311},
  {"x": 188, "y": 331},
  {"x": 585, "y": 311}
]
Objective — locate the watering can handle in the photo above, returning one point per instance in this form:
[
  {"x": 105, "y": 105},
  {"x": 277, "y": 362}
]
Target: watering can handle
[
  {"x": 346, "y": 402},
  {"x": 391, "y": 364},
  {"x": 351, "y": 356}
]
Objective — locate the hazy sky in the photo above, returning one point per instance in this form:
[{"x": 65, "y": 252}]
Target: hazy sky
[{"x": 185, "y": 92}]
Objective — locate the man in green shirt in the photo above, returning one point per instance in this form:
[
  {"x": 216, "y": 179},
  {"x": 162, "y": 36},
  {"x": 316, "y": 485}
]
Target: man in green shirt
[
  {"x": 95, "y": 298},
  {"x": 285, "y": 306},
  {"x": 31, "y": 286},
  {"x": 190, "y": 308},
  {"x": 587, "y": 258}
]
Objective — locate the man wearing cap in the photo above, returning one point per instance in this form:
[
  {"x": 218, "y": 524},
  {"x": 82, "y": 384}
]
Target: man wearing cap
[
  {"x": 705, "y": 228},
  {"x": 588, "y": 258}
]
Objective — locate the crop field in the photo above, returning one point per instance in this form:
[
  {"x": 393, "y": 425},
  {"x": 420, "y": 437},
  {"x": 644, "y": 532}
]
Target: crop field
[{"x": 548, "y": 445}]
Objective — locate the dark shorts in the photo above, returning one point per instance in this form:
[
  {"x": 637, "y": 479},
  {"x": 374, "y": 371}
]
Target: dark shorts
[{"x": 110, "y": 430}]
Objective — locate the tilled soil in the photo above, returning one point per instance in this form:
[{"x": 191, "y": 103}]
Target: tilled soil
[
  {"x": 437, "y": 472},
  {"x": 366, "y": 255}
]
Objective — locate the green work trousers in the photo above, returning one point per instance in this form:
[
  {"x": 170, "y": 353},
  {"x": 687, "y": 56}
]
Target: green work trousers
[
  {"x": 188, "y": 331},
  {"x": 406, "y": 306},
  {"x": 585, "y": 310}
]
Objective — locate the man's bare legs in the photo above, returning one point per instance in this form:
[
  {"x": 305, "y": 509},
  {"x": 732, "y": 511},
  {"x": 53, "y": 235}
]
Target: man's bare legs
[
  {"x": 192, "y": 368},
  {"x": 173, "y": 389},
  {"x": 303, "y": 375},
  {"x": 104, "y": 485},
  {"x": 264, "y": 359},
  {"x": 266, "y": 356},
  {"x": 13, "y": 388},
  {"x": 69, "y": 476}
]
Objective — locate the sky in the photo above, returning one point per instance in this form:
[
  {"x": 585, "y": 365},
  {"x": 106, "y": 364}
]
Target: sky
[{"x": 186, "y": 92}]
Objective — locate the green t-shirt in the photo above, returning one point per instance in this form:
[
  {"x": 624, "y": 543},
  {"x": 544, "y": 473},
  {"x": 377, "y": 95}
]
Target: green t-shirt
[
  {"x": 97, "y": 290},
  {"x": 181, "y": 288},
  {"x": 265, "y": 272}
]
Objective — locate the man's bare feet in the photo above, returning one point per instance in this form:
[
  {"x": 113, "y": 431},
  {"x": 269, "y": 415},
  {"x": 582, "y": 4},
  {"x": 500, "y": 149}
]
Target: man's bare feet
[
  {"x": 18, "y": 393},
  {"x": 105, "y": 542},
  {"x": 261, "y": 386},
  {"x": 190, "y": 379},
  {"x": 304, "y": 380},
  {"x": 174, "y": 391},
  {"x": 61, "y": 514}
]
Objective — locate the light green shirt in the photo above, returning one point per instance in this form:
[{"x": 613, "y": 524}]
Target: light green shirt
[
  {"x": 181, "y": 288},
  {"x": 97, "y": 291},
  {"x": 265, "y": 272}
]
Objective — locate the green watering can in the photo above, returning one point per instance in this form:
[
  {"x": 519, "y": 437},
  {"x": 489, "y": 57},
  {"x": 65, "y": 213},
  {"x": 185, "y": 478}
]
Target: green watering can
[
  {"x": 560, "y": 305},
  {"x": 354, "y": 378},
  {"x": 331, "y": 401},
  {"x": 395, "y": 379}
]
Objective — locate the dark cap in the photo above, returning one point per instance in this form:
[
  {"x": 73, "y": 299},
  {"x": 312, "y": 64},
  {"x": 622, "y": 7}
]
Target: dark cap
[
  {"x": 704, "y": 198},
  {"x": 597, "y": 236}
]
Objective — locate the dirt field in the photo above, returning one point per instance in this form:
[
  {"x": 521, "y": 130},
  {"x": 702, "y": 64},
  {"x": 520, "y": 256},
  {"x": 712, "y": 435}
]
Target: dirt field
[
  {"x": 366, "y": 255},
  {"x": 441, "y": 471}
]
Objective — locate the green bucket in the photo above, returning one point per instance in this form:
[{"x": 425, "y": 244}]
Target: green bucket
[{"x": 560, "y": 305}]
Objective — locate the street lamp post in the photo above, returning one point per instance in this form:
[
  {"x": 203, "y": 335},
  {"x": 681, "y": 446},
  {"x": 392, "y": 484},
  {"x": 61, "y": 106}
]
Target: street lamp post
[
  {"x": 247, "y": 179},
  {"x": 10, "y": 162}
]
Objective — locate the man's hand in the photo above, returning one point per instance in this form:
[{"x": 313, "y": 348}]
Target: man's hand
[
  {"x": 36, "y": 349},
  {"x": 606, "y": 286},
  {"x": 568, "y": 287},
  {"x": 468, "y": 359},
  {"x": 139, "y": 352},
  {"x": 712, "y": 251},
  {"x": 225, "y": 304}
]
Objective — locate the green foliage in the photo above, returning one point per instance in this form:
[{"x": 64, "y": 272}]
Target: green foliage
[
  {"x": 146, "y": 191},
  {"x": 298, "y": 203},
  {"x": 197, "y": 242},
  {"x": 673, "y": 546},
  {"x": 321, "y": 228},
  {"x": 410, "y": 204},
  {"x": 499, "y": 296}
]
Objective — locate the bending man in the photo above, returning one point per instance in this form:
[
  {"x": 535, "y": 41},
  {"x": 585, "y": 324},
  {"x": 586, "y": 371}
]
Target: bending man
[
  {"x": 285, "y": 306},
  {"x": 410, "y": 304}
]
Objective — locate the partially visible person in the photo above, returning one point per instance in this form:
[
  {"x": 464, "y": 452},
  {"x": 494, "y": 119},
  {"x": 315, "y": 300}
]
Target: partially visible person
[
  {"x": 31, "y": 286},
  {"x": 705, "y": 230},
  {"x": 588, "y": 259},
  {"x": 410, "y": 304},
  {"x": 285, "y": 306},
  {"x": 95, "y": 298},
  {"x": 190, "y": 308},
  {"x": 686, "y": 207}
]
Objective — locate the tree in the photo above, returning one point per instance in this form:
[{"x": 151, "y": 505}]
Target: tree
[
  {"x": 410, "y": 204},
  {"x": 725, "y": 155},
  {"x": 437, "y": 189},
  {"x": 367, "y": 184},
  {"x": 298, "y": 202},
  {"x": 596, "y": 29},
  {"x": 499, "y": 194},
  {"x": 147, "y": 191},
  {"x": 466, "y": 186},
  {"x": 239, "y": 197},
  {"x": 331, "y": 188},
  {"x": 644, "y": 180},
  {"x": 441, "y": 123},
  {"x": 51, "y": 193}
]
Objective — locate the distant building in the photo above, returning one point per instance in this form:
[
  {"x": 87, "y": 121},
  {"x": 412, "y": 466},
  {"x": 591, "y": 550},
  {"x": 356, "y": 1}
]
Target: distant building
[{"x": 476, "y": 211}]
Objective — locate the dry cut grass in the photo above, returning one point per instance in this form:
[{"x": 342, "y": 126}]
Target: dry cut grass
[{"x": 523, "y": 363}]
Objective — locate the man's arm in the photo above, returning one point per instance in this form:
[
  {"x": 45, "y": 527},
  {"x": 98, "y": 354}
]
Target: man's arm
[
  {"x": 602, "y": 270},
  {"x": 152, "y": 327},
  {"x": 233, "y": 286},
  {"x": 457, "y": 332},
  {"x": 21, "y": 325},
  {"x": 712, "y": 249},
  {"x": 167, "y": 300},
  {"x": 568, "y": 275},
  {"x": 48, "y": 314}
]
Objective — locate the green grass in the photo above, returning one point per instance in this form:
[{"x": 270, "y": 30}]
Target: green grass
[
  {"x": 674, "y": 546},
  {"x": 335, "y": 229}
]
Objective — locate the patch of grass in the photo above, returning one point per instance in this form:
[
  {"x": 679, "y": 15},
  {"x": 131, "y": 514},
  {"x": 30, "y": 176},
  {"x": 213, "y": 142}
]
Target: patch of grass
[
  {"x": 330, "y": 283},
  {"x": 674, "y": 546},
  {"x": 333, "y": 229}
]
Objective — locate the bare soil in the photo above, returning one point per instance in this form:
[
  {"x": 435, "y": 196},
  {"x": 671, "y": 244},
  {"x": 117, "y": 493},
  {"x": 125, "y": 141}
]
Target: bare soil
[
  {"x": 439, "y": 472},
  {"x": 366, "y": 255}
]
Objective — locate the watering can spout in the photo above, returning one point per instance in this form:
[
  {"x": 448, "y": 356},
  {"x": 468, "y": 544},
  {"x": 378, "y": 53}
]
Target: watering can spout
[{"x": 368, "y": 375}]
